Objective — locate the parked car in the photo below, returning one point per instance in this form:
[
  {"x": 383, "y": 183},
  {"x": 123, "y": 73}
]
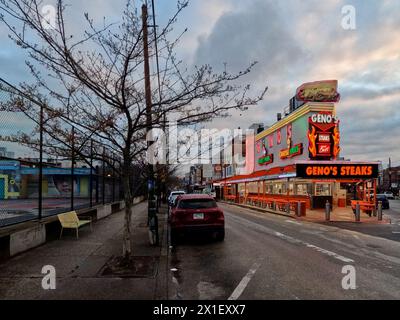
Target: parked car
[
  {"x": 389, "y": 195},
  {"x": 173, "y": 195},
  {"x": 193, "y": 213},
  {"x": 383, "y": 198}
]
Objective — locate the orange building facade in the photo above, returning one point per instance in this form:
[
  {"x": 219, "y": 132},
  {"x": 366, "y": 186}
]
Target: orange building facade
[{"x": 298, "y": 158}]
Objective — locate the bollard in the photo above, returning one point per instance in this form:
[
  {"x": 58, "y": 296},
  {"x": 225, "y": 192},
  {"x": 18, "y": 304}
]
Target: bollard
[
  {"x": 288, "y": 208},
  {"x": 298, "y": 209},
  {"x": 274, "y": 205},
  {"x": 379, "y": 210},
  {"x": 327, "y": 211},
  {"x": 357, "y": 212}
]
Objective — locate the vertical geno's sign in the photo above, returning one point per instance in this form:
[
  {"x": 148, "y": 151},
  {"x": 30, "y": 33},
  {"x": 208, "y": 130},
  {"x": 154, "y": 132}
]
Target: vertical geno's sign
[{"x": 323, "y": 136}]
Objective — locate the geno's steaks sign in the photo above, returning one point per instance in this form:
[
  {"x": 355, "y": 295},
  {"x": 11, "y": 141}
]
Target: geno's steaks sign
[{"x": 337, "y": 170}]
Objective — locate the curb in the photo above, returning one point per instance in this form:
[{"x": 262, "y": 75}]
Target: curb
[{"x": 264, "y": 210}]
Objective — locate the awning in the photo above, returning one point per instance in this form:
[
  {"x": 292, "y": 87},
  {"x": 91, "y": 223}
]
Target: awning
[{"x": 273, "y": 173}]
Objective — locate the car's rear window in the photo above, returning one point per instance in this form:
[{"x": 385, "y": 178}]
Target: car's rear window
[{"x": 197, "y": 204}]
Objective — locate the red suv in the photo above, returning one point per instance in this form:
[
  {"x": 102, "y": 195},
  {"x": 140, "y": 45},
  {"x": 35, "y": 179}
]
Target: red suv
[{"x": 196, "y": 212}]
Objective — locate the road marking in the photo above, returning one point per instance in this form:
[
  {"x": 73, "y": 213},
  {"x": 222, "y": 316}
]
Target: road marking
[
  {"x": 395, "y": 231},
  {"x": 291, "y": 239},
  {"x": 294, "y": 222},
  {"x": 330, "y": 253},
  {"x": 244, "y": 282},
  {"x": 309, "y": 245}
]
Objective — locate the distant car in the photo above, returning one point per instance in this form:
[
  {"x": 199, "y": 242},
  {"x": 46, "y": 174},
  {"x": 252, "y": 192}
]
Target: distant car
[
  {"x": 196, "y": 213},
  {"x": 210, "y": 192},
  {"x": 383, "y": 198},
  {"x": 173, "y": 195},
  {"x": 389, "y": 195}
]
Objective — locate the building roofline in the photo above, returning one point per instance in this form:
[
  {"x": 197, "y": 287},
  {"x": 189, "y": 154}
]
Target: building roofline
[{"x": 306, "y": 108}]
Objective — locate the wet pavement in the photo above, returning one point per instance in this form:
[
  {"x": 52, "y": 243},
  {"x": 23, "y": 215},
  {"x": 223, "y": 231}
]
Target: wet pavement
[
  {"x": 265, "y": 256},
  {"x": 78, "y": 264}
]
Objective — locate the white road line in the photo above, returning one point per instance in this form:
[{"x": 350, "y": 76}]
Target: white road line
[
  {"x": 292, "y": 239},
  {"x": 395, "y": 231},
  {"x": 309, "y": 245},
  {"x": 244, "y": 282},
  {"x": 294, "y": 222},
  {"x": 330, "y": 253}
]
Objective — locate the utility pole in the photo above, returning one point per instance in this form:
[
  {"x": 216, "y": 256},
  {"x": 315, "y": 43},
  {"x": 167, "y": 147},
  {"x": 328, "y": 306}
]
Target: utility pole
[
  {"x": 103, "y": 180},
  {"x": 91, "y": 174},
  {"x": 162, "y": 170},
  {"x": 152, "y": 216},
  {"x": 72, "y": 166},
  {"x": 40, "y": 164},
  {"x": 390, "y": 174}
]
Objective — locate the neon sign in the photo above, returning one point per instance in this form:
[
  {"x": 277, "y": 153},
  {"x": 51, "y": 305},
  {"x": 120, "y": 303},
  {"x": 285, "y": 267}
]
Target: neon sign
[
  {"x": 324, "y": 148},
  {"x": 349, "y": 171},
  {"x": 292, "y": 151},
  {"x": 323, "y": 136},
  {"x": 278, "y": 136},
  {"x": 266, "y": 159}
]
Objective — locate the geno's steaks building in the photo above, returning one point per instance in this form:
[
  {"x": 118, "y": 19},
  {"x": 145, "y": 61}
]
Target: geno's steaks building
[{"x": 297, "y": 158}]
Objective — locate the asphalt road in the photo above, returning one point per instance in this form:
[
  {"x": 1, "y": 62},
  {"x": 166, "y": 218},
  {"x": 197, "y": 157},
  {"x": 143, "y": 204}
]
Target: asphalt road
[{"x": 265, "y": 256}]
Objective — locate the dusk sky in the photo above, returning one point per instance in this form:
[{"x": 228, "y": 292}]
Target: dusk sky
[{"x": 294, "y": 42}]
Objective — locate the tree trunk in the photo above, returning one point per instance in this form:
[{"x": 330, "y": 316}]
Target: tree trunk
[{"x": 127, "y": 247}]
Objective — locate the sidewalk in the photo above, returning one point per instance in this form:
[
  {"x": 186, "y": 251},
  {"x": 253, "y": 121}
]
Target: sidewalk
[
  {"x": 318, "y": 215},
  {"x": 78, "y": 263},
  {"x": 340, "y": 214}
]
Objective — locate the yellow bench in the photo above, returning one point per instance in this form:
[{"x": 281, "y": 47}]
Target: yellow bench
[{"x": 70, "y": 220}]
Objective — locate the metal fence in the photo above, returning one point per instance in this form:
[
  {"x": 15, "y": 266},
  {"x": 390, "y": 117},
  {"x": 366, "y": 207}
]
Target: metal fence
[{"x": 36, "y": 183}]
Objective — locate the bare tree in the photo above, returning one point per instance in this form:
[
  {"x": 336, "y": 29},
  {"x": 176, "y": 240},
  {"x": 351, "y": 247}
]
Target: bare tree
[{"x": 96, "y": 82}]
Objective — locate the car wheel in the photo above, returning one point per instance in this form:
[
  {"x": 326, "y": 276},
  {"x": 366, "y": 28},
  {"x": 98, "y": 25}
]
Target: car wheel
[{"x": 220, "y": 235}]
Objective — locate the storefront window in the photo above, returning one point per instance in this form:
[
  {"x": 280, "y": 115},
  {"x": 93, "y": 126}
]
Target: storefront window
[
  {"x": 279, "y": 188},
  {"x": 241, "y": 189},
  {"x": 252, "y": 187},
  {"x": 268, "y": 188},
  {"x": 302, "y": 189},
  {"x": 322, "y": 189},
  {"x": 291, "y": 188},
  {"x": 260, "y": 185}
]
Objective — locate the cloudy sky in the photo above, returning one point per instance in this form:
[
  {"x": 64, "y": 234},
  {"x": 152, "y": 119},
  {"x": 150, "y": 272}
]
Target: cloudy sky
[{"x": 294, "y": 41}]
